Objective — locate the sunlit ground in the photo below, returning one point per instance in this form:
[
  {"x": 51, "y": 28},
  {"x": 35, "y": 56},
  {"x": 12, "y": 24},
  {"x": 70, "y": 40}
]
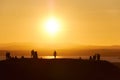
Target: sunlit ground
[{"x": 51, "y": 57}]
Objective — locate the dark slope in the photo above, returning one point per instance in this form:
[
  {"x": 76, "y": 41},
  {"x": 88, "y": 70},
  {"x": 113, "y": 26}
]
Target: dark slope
[{"x": 58, "y": 69}]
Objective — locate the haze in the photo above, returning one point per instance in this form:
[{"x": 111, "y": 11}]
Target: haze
[{"x": 83, "y": 22}]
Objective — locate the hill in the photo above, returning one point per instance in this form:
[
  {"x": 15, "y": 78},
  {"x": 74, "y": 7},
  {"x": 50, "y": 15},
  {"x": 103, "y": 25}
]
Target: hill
[{"x": 57, "y": 69}]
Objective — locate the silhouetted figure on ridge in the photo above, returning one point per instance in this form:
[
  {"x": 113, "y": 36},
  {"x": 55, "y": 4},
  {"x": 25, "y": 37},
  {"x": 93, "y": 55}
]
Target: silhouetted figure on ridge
[
  {"x": 34, "y": 54},
  {"x": 98, "y": 56},
  {"x": 8, "y": 56},
  {"x": 16, "y": 57},
  {"x": 22, "y": 57},
  {"x": 55, "y": 54},
  {"x": 94, "y": 57},
  {"x": 90, "y": 58}
]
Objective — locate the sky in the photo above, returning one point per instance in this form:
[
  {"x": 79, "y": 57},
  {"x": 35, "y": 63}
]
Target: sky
[{"x": 82, "y": 22}]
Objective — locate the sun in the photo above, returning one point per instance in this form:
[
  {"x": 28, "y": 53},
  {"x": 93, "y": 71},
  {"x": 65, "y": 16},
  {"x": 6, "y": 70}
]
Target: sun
[{"x": 52, "y": 26}]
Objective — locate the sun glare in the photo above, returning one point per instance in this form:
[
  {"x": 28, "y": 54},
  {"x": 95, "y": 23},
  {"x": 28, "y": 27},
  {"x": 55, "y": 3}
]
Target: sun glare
[{"x": 52, "y": 26}]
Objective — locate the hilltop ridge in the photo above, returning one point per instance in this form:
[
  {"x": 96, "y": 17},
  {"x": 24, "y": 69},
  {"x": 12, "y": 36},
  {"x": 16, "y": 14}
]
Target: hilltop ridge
[{"x": 58, "y": 69}]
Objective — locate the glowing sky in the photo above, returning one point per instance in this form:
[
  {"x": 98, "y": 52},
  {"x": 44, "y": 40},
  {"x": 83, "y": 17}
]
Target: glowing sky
[{"x": 86, "y": 22}]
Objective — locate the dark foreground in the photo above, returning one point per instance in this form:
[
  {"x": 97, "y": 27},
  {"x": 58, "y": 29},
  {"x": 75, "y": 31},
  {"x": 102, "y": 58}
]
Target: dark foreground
[{"x": 58, "y": 69}]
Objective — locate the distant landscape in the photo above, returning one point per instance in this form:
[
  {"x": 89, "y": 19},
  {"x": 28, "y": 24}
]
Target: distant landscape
[{"x": 83, "y": 50}]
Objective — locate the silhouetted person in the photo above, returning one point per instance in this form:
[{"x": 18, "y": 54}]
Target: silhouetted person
[
  {"x": 16, "y": 57},
  {"x": 55, "y": 54},
  {"x": 98, "y": 56},
  {"x": 22, "y": 57},
  {"x": 34, "y": 54},
  {"x": 90, "y": 58},
  {"x": 94, "y": 57},
  {"x": 8, "y": 56}
]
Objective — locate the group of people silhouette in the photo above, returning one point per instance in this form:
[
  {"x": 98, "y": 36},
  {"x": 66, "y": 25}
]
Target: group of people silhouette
[
  {"x": 34, "y": 55},
  {"x": 95, "y": 57}
]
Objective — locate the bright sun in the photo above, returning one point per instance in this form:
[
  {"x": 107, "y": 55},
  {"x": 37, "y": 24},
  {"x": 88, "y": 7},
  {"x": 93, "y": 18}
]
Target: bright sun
[{"x": 52, "y": 26}]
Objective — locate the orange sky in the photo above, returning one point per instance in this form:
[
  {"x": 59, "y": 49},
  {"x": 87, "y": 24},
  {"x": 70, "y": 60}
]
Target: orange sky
[{"x": 83, "y": 22}]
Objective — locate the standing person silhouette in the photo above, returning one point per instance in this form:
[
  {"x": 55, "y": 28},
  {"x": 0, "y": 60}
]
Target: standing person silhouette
[
  {"x": 55, "y": 54},
  {"x": 8, "y": 56}
]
